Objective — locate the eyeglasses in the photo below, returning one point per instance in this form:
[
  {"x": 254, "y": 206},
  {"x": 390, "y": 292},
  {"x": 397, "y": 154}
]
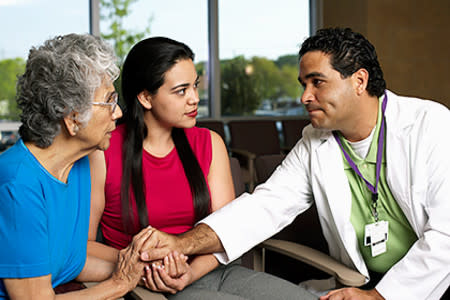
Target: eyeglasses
[{"x": 112, "y": 101}]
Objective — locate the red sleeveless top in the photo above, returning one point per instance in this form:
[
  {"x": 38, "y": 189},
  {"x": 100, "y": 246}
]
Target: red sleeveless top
[{"x": 167, "y": 193}]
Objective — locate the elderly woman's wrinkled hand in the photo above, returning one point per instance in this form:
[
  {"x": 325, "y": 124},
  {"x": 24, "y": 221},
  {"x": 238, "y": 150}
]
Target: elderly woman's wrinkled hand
[{"x": 130, "y": 268}]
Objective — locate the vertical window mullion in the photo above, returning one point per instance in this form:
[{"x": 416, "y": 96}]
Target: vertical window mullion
[
  {"x": 94, "y": 17},
  {"x": 213, "y": 60}
]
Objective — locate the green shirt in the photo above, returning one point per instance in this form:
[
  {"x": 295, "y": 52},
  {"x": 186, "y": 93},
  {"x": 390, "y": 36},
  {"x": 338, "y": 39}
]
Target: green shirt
[{"x": 401, "y": 236}]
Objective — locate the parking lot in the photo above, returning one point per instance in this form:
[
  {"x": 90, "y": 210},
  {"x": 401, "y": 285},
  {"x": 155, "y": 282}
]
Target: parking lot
[{"x": 8, "y": 134}]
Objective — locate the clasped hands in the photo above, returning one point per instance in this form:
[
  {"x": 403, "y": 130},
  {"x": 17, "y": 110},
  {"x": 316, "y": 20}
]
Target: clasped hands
[{"x": 168, "y": 269}]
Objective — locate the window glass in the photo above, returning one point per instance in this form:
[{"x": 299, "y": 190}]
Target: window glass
[
  {"x": 258, "y": 45},
  {"x": 184, "y": 21},
  {"x": 23, "y": 24}
]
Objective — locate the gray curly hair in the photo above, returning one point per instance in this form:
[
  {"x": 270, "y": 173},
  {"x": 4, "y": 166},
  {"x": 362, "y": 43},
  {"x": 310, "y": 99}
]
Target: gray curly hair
[{"x": 61, "y": 77}]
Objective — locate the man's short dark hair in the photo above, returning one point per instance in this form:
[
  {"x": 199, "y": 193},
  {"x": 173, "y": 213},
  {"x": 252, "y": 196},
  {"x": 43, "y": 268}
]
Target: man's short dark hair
[{"x": 349, "y": 51}]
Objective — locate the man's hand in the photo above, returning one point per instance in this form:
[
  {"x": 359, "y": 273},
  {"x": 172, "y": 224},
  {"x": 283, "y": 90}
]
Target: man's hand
[
  {"x": 352, "y": 294},
  {"x": 199, "y": 240},
  {"x": 159, "y": 245}
]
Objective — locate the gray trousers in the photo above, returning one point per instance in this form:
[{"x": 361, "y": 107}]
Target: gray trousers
[{"x": 234, "y": 282}]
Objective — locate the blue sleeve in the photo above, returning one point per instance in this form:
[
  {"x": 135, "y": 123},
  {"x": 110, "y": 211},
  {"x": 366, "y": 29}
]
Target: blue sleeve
[{"x": 23, "y": 231}]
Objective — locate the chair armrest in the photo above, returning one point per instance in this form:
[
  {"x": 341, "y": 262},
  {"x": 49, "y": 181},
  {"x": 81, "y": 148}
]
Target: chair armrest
[
  {"x": 317, "y": 259},
  {"x": 243, "y": 152}
]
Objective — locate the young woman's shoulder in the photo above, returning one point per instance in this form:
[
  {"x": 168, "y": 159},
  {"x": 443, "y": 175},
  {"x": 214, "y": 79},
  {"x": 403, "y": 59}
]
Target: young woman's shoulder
[
  {"x": 197, "y": 135},
  {"x": 200, "y": 141}
]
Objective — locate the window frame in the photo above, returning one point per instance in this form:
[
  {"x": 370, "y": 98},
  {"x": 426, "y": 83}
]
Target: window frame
[{"x": 214, "y": 99}]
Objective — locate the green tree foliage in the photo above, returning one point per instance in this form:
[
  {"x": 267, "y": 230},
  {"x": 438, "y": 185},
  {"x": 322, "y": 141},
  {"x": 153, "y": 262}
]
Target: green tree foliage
[
  {"x": 290, "y": 60},
  {"x": 289, "y": 84},
  {"x": 200, "y": 68},
  {"x": 246, "y": 83},
  {"x": 9, "y": 70},
  {"x": 267, "y": 77},
  {"x": 114, "y": 12},
  {"x": 238, "y": 90}
]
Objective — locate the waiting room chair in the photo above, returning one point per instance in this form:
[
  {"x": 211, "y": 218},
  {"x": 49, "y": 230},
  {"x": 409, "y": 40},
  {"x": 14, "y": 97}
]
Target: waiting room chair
[
  {"x": 250, "y": 139},
  {"x": 265, "y": 165},
  {"x": 214, "y": 125},
  {"x": 299, "y": 252},
  {"x": 238, "y": 182},
  {"x": 292, "y": 132}
]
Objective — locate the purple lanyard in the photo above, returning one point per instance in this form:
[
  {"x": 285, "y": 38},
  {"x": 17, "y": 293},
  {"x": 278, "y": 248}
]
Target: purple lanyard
[{"x": 373, "y": 189}]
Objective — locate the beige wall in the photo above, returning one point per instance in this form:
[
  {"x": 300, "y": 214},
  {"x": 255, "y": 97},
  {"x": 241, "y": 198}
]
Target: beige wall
[{"x": 412, "y": 39}]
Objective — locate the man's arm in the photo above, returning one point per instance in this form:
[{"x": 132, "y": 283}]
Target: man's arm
[
  {"x": 199, "y": 240},
  {"x": 248, "y": 220}
]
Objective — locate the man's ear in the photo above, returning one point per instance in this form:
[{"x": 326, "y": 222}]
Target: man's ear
[
  {"x": 145, "y": 99},
  {"x": 71, "y": 123},
  {"x": 360, "y": 79}
]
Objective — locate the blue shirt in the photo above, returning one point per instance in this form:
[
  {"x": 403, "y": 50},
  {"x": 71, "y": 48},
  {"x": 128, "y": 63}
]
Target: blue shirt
[{"x": 44, "y": 222}]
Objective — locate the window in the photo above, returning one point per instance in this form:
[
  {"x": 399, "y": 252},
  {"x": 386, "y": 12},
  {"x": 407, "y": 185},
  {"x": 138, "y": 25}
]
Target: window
[
  {"x": 26, "y": 23},
  {"x": 258, "y": 45},
  {"x": 258, "y": 49},
  {"x": 184, "y": 21}
]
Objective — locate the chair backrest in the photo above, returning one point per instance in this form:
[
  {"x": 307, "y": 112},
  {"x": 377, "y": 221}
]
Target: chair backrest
[
  {"x": 257, "y": 136},
  {"x": 266, "y": 164},
  {"x": 238, "y": 182},
  {"x": 214, "y": 125},
  {"x": 292, "y": 131}
]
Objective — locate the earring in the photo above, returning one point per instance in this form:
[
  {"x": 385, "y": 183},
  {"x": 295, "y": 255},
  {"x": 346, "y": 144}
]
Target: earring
[{"x": 75, "y": 128}]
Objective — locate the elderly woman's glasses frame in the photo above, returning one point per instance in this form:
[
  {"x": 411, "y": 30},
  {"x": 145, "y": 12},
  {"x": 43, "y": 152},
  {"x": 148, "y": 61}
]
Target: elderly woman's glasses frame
[{"x": 112, "y": 101}]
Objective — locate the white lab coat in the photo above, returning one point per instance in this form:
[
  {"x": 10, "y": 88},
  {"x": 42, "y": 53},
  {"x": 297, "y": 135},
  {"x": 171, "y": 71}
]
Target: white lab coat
[{"x": 417, "y": 172}]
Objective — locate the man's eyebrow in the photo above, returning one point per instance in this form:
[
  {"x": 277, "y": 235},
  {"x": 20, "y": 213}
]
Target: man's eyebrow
[
  {"x": 310, "y": 75},
  {"x": 314, "y": 74}
]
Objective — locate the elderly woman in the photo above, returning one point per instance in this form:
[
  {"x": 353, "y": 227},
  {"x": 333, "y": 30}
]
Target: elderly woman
[{"x": 69, "y": 108}]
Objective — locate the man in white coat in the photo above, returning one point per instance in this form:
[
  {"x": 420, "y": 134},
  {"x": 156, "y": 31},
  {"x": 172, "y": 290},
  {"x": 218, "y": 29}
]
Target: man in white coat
[{"x": 377, "y": 165}]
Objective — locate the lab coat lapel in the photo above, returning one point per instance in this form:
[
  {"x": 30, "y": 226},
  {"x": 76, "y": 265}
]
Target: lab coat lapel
[
  {"x": 398, "y": 156},
  {"x": 337, "y": 196}
]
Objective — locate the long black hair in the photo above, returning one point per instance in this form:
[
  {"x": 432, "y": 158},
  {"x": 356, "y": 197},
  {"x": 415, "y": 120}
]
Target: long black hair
[{"x": 144, "y": 69}]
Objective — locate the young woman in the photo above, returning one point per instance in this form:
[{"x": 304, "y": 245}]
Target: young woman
[{"x": 162, "y": 171}]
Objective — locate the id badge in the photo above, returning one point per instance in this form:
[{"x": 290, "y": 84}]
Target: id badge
[
  {"x": 377, "y": 249},
  {"x": 375, "y": 236}
]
